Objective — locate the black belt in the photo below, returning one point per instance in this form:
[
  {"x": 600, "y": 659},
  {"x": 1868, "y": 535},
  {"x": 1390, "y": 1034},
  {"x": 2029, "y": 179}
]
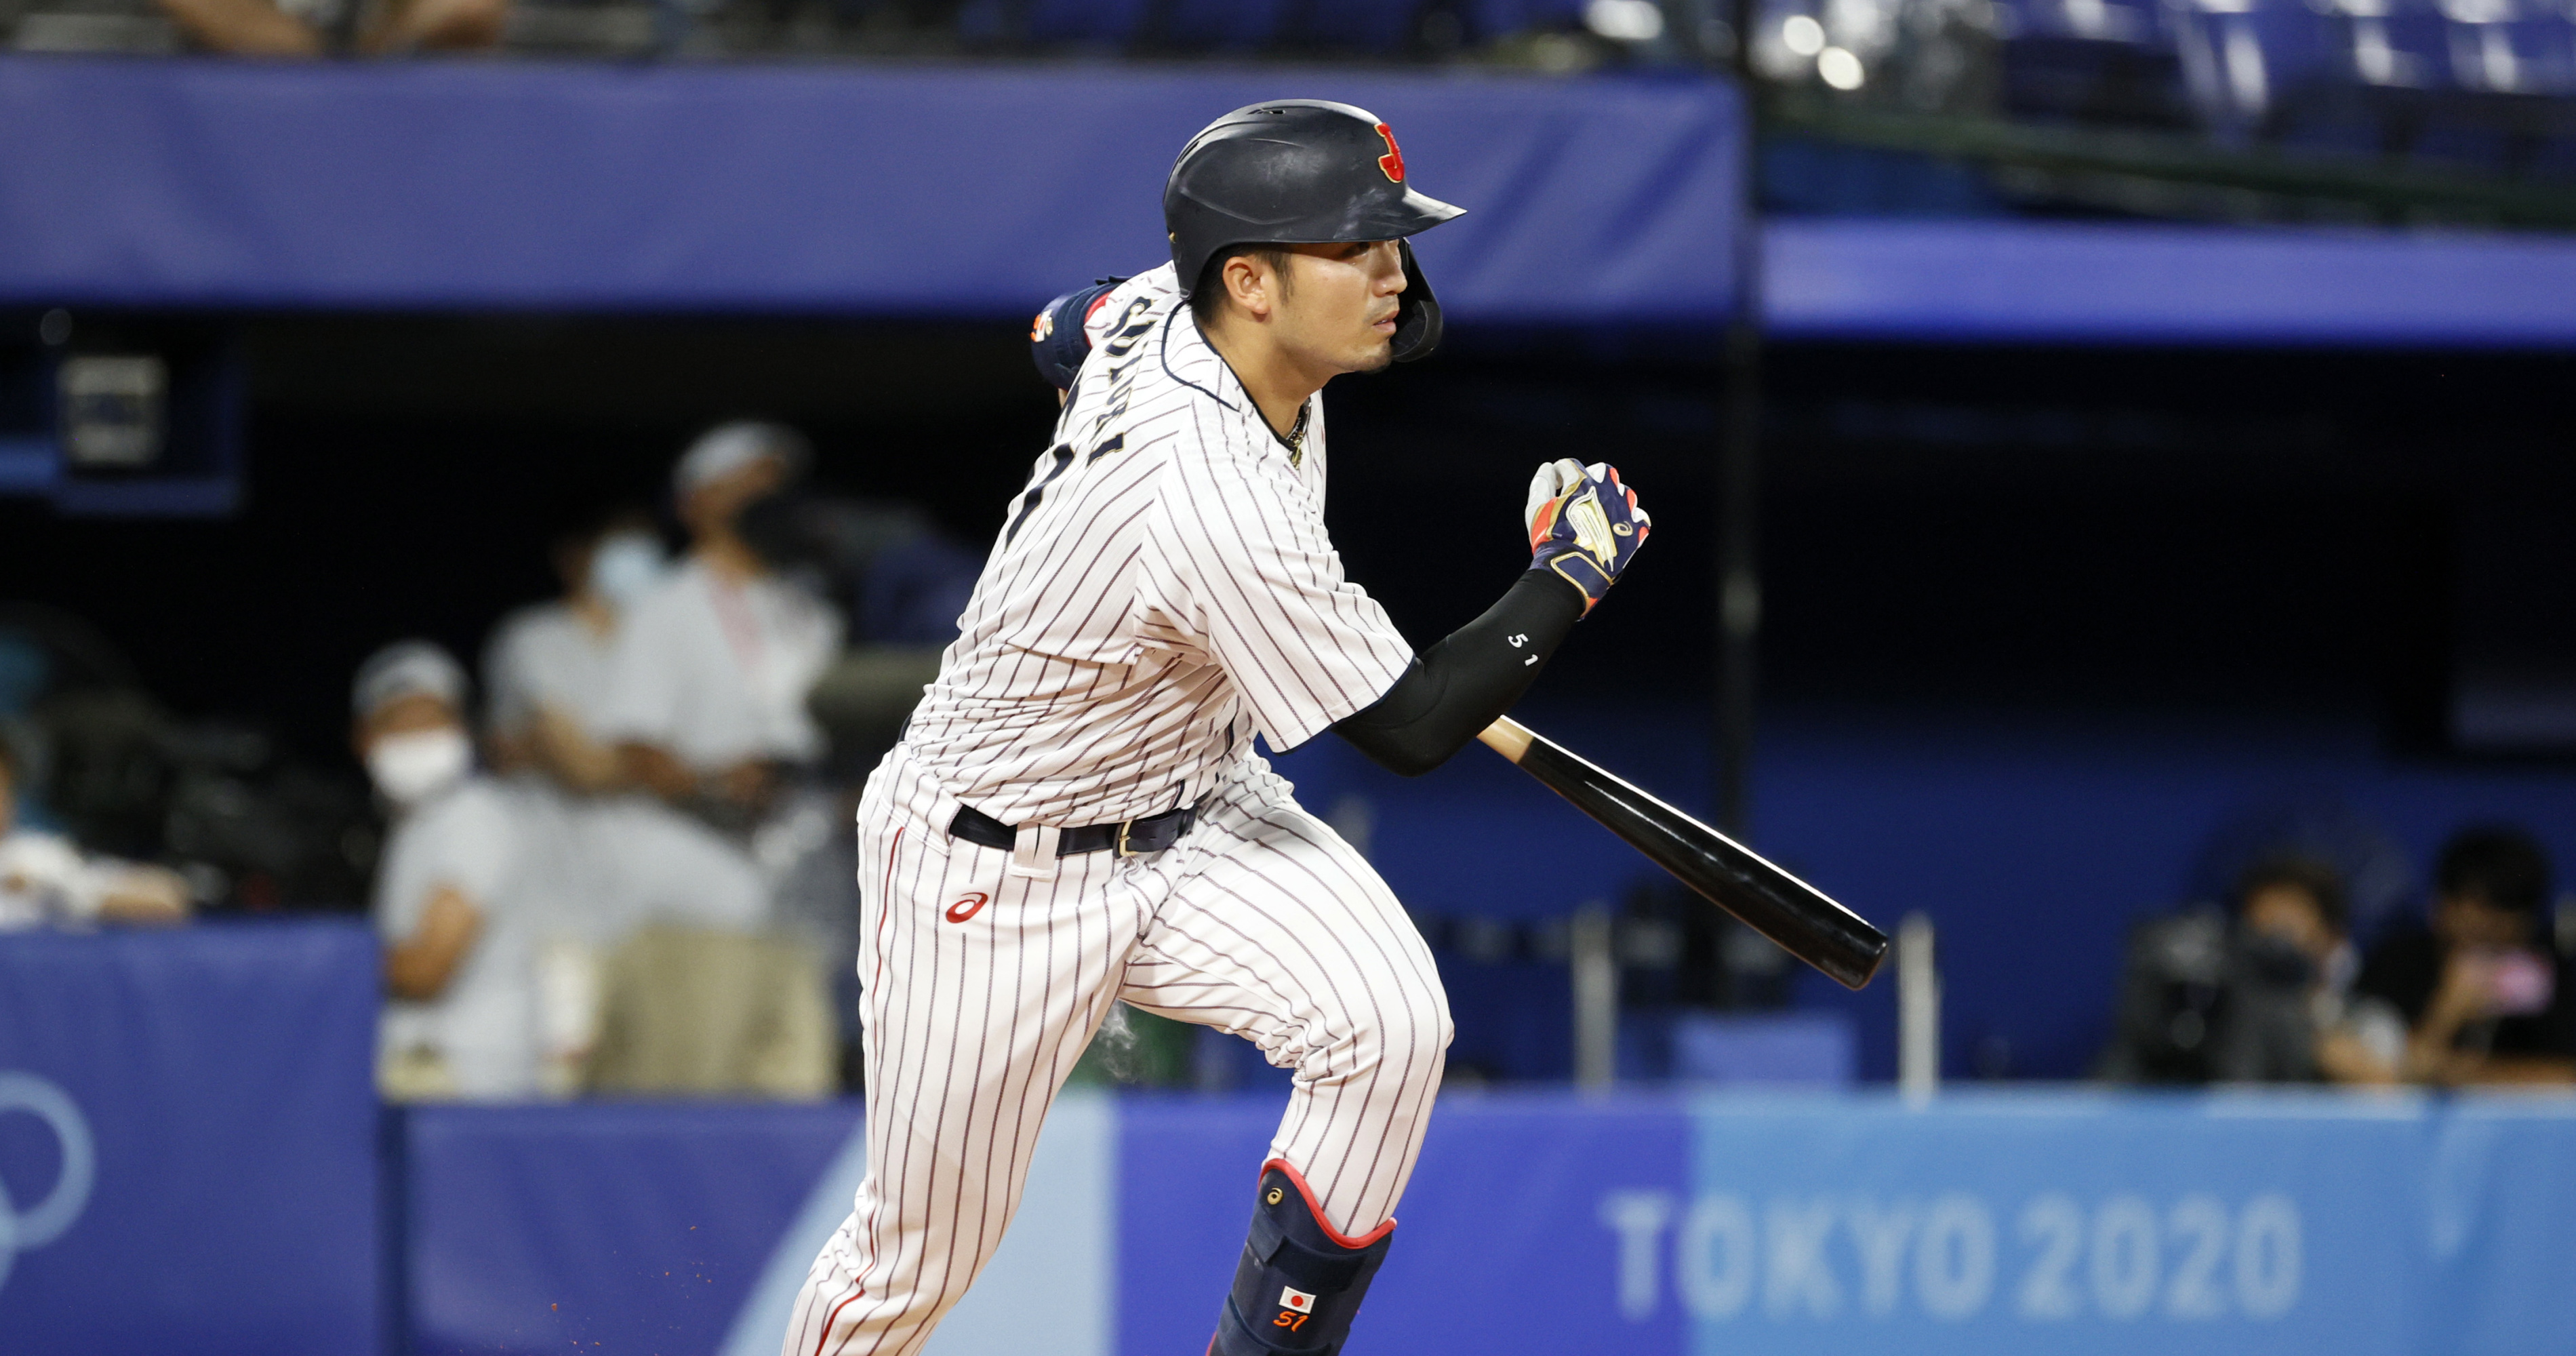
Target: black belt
[{"x": 1130, "y": 838}]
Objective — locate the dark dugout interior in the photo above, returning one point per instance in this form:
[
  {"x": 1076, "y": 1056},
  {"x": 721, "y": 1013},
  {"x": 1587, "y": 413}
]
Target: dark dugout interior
[{"x": 2074, "y": 528}]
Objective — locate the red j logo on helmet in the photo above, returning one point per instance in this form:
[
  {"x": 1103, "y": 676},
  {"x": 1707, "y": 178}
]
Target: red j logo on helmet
[{"x": 1393, "y": 161}]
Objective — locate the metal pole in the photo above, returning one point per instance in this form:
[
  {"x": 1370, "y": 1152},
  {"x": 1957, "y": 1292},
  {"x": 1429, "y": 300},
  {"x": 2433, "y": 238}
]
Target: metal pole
[
  {"x": 1739, "y": 582},
  {"x": 1918, "y": 1010},
  {"x": 1590, "y": 953},
  {"x": 1739, "y": 465}
]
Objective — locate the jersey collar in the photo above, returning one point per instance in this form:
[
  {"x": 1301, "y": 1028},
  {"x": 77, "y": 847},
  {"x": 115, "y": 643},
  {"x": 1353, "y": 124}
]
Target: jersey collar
[
  {"x": 1194, "y": 362},
  {"x": 1189, "y": 359}
]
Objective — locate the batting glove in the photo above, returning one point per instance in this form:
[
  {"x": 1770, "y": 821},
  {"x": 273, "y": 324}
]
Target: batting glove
[{"x": 1584, "y": 525}]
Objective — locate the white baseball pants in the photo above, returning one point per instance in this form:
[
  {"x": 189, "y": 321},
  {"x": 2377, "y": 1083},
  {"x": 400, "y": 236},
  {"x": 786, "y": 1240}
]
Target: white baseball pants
[{"x": 983, "y": 986}]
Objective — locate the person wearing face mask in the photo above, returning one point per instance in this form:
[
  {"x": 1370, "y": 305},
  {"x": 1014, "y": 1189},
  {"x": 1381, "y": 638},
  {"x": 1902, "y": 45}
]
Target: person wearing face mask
[
  {"x": 625, "y": 859},
  {"x": 706, "y": 696},
  {"x": 545, "y": 672},
  {"x": 2259, "y": 993},
  {"x": 453, "y": 891},
  {"x": 2283, "y": 1017}
]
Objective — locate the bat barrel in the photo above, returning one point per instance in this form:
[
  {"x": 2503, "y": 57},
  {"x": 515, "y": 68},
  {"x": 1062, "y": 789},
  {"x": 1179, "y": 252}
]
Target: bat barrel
[{"x": 1802, "y": 919}]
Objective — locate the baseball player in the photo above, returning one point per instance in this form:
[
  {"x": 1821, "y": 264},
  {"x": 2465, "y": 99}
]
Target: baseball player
[{"x": 1076, "y": 815}]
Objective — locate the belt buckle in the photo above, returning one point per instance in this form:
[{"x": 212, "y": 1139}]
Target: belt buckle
[{"x": 1120, "y": 849}]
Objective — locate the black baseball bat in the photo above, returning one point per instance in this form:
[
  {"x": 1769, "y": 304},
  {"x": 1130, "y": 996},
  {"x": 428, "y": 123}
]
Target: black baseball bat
[{"x": 1806, "y": 923}]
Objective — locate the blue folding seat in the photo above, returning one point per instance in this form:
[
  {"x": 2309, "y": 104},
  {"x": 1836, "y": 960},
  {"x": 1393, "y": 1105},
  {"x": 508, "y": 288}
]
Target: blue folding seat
[
  {"x": 1102, "y": 23},
  {"x": 2093, "y": 60},
  {"x": 2547, "y": 44},
  {"x": 2120, "y": 21},
  {"x": 2390, "y": 44},
  {"x": 2505, "y": 48},
  {"x": 1494, "y": 20},
  {"x": 1363, "y": 27},
  {"x": 2342, "y": 66},
  {"x": 2245, "y": 60},
  {"x": 1221, "y": 25}
]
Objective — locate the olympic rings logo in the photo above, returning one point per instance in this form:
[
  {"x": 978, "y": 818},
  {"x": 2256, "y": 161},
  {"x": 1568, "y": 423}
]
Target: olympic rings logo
[{"x": 39, "y": 1224}]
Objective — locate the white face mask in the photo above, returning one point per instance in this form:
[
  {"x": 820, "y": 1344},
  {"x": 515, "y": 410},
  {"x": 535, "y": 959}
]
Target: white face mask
[
  {"x": 411, "y": 768},
  {"x": 624, "y": 565}
]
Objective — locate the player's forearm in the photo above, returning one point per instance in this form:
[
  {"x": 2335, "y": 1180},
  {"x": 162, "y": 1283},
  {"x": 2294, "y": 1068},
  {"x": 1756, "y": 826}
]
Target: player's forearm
[
  {"x": 1458, "y": 686},
  {"x": 575, "y": 759},
  {"x": 244, "y": 27},
  {"x": 655, "y": 769},
  {"x": 2548, "y": 1070},
  {"x": 419, "y": 966},
  {"x": 2344, "y": 1059}
]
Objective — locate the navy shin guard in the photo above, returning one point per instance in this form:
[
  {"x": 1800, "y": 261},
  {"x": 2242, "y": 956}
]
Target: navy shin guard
[{"x": 1299, "y": 1283}]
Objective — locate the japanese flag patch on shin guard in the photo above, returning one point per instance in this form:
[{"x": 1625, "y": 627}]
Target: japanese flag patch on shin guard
[{"x": 1298, "y": 1283}]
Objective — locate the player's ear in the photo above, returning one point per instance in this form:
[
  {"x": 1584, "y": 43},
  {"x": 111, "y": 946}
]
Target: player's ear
[{"x": 1249, "y": 282}]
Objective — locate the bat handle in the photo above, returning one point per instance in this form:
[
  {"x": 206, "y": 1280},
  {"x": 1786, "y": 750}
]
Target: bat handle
[{"x": 1507, "y": 737}]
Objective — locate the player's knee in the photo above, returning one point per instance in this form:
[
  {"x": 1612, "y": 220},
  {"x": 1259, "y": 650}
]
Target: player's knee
[
  {"x": 1433, "y": 1002},
  {"x": 1443, "y": 1030},
  {"x": 1410, "y": 1033}
]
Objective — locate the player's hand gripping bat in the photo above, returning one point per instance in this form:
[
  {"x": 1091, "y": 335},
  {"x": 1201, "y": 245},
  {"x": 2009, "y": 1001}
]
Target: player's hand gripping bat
[{"x": 1728, "y": 874}]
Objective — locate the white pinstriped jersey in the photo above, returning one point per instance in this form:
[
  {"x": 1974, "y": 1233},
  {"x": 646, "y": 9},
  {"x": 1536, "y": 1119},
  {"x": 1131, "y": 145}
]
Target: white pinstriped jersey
[{"x": 1163, "y": 589}]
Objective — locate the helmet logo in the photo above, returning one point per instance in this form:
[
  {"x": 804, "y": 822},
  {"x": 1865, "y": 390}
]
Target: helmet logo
[{"x": 1393, "y": 161}]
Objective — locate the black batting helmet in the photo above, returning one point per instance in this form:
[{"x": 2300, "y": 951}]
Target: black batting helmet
[{"x": 1302, "y": 172}]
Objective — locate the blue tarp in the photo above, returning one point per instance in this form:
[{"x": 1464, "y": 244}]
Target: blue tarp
[
  {"x": 1646, "y": 1225},
  {"x": 2049, "y": 282},
  {"x": 630, "y": 1228},
  {"x": 919, "y": 190},
  {"x": 188, "y": 1141},
  {"x": 978, "y": 191}
]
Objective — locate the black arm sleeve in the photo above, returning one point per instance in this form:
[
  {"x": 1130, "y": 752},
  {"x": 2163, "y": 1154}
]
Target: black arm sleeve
[{"x": 1457, "y": 687}]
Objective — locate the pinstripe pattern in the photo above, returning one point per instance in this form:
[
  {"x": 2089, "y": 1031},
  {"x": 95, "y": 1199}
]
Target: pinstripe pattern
[
  {"x": 1163, "y": 589},
  {"x": 1261, "y": 922}
]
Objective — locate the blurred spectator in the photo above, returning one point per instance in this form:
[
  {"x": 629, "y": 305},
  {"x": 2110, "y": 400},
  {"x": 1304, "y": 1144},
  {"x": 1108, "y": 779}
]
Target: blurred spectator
[
  {"x": 2319, "y": 826},
  {"x": 715, "y": 1014},
  {"x": 2289, "y": 966},
  {"x": 545, "y": 672},
  {"x": 454, "y": 895},
  {"x": 44, "y": 879},
  {"x": 900, "y": 584},
  {"x": 267, "y": 29},
  {"x": 2483, "y": 996},
  {"x": 706, "y": 694},
  {"x": 2241, "y": 996},
  {"x": 623, "y": 860},
  {"x": 102, "y": 762}
]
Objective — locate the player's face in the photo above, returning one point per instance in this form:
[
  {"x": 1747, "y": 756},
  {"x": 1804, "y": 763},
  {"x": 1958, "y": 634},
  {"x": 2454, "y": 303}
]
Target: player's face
[{"x": 1338, "y": 313}]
